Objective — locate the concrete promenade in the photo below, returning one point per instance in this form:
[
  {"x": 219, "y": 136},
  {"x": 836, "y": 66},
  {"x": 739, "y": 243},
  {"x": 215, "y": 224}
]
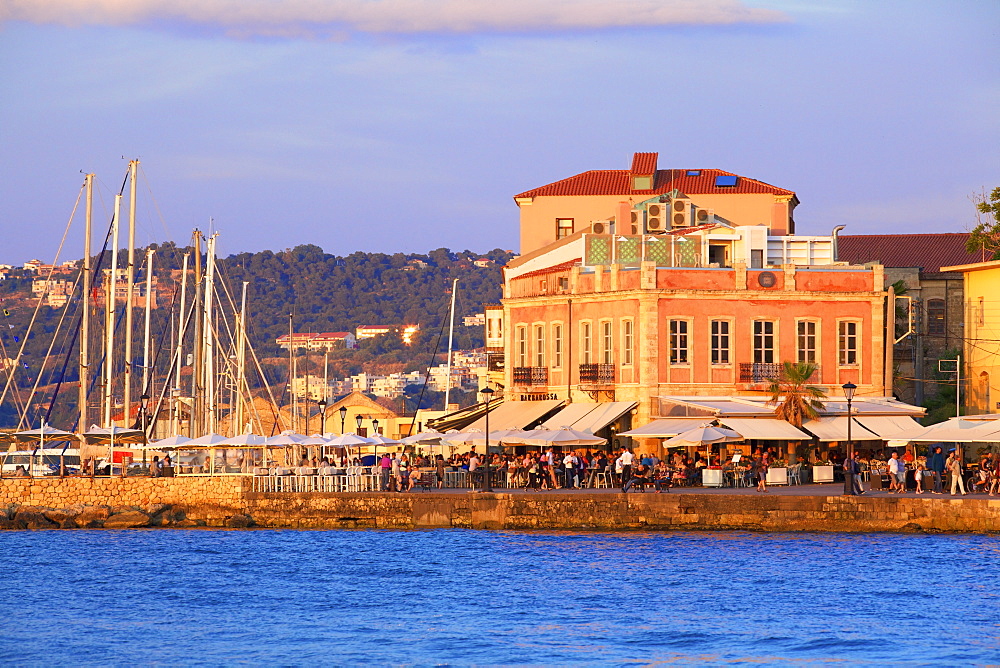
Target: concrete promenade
[{"x": 229, "y": 501}]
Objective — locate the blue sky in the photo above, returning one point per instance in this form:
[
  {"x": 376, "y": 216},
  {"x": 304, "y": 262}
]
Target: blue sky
[{"x": 407, "y": 125}]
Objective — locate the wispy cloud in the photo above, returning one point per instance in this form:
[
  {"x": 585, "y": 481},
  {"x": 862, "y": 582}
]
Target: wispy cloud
[{"x": 324, "y": 18}]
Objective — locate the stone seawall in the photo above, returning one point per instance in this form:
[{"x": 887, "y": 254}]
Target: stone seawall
[{"x": 228, "y": 501}]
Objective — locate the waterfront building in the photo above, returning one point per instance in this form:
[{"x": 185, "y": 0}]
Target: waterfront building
[
  {"x": 930, "y": 308},
  {"x": 981, "y": 352},
  {"x": 678, "y": 283},
  {"x": 312, "y": 341}
]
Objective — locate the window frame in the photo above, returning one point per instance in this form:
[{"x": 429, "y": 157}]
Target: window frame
[
  {"x": 760, "y": 351},
  {"x": 679, "y": 342},
  {"x": 814, "y": 335},
  {"x": 628, "y": 341},
  {"x": 843, "y": 351},
  {"x": 562, "y": 231},
  {"x": 586, "y": 342},
  {"x": 717, "y": 351},
  {"x": 557, "y": 345},
  {"x": 521, "y": 344},
  {"x": 539, "y": 343},
  {"x": 607, "y": 334}
]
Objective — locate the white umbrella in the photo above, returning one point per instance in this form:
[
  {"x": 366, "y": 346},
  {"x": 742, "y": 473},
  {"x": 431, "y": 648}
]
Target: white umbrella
[
  {"x": 702, "y": 436},
  {"x": 50, "y": 433},
  {"x": 169, "y": 443},
  {"x": 246, "y": 440},
  {"x": 100, "y": 435},
  {"x": 207, "y": 441},
  {"x": 429, "y": 437},
  {"x": 563, "y": 438}
]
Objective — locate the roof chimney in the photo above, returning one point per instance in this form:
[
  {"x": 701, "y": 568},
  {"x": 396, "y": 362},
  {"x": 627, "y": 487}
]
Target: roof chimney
[{"x": 643, "y": 172}]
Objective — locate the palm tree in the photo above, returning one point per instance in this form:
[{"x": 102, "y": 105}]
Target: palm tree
[{"x": 796, "y": 401}]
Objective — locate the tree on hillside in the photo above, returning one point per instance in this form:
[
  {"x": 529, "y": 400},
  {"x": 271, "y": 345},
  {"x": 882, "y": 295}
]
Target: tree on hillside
[
  {"x": 985, "y": 236},
  {"x": 796, "y": 401}
]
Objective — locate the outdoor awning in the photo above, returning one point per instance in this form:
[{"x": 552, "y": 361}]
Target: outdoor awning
[
  {"x": 569, "y": 415},
  {"x": 516, "y": 414},
  {"x": 835, "y": 429},
  {"x": 955, "y": 430},
  {"x": 765, "y": 429},
  {"x": 603, "y": 415},
  {"x": 666, "y": 427},
  {"x": 888, "y": 426}
]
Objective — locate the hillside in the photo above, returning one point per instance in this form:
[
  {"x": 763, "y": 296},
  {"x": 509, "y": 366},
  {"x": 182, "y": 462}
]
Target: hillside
[{"x": 323, "y": 292}]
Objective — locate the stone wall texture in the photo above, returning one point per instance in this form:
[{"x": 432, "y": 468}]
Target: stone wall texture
[{"x": 228, "y": 501}]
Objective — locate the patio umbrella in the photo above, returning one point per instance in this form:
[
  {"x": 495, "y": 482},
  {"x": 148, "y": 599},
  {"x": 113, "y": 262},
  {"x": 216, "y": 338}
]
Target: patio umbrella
[
  {"x": 704, "y": 435},
  {"x": 169, "y": 443},
  {"x": 101, "y": 435},
  {"x": 40, "y": 434},
  {"x": 348, "y": 441},
  {"x": 429, "y": 437},
  {"x": 563, "y": 438}
]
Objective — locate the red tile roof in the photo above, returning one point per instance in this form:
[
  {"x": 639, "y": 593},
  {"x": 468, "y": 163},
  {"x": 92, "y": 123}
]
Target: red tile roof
[
  {"x": 644, "y": 164},
  {"x": 929, "y": 252},
  {"x": 619, "y": 182},
  {"x": 562, "y": 266}
]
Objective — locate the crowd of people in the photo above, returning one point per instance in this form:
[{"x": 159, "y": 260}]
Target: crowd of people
[{"x": 927, "y": 472}]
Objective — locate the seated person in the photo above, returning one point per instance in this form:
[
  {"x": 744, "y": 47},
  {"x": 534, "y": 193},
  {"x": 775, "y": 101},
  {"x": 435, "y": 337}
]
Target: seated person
[
  {"x": 640, "y": 477},
  {"x": 414, "y": 479},
  {"x": 661, "y": 477}
]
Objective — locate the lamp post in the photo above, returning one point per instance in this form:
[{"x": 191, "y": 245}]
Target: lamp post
[
  {"x": 375, "y": 426},
  {"x": 322, "y": 420},
  {"x": 375, "y": 434},
  {"x": 358, "y": 418},
  {"x": 343, "y": 418},
  {"x": 849, "y": 389},
  {"x": 488, "y": 393}
]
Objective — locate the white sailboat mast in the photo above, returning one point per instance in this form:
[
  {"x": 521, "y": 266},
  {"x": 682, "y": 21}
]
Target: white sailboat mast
[
  {"x": 84, "y": 422},
  {"x": 145, "y": 349},
  {"x": 451, "y": 337},
  {"x": 129, "y": 304},
  {"x": 241, "y": 354},
  {"x": 109, "y": 319},
  {"x": 207, "y": 333},
  {"x": 181, "y": 331}
]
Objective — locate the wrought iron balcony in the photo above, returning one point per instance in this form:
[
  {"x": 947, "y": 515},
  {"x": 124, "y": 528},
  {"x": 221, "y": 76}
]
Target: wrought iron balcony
[
  {"x": 531, "y": 375},
  {"x": 597, "y": 374},
  {"x": 765, "y": 372}
]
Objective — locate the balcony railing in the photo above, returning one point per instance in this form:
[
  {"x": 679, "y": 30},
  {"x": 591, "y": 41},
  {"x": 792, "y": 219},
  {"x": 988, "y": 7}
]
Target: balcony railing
[
  {"x": 597, "y": 374},
  {"x": 531, "y": 375},
  {"x": 765, "y": 372}
]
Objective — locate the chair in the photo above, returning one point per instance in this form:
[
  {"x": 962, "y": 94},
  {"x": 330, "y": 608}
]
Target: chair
[
  {"x": 602, "y": 479},
  {"x": 795, "y": 474}
]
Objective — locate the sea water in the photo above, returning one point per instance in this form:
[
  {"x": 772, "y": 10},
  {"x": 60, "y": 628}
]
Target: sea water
[{"x": 190, "y": 597}]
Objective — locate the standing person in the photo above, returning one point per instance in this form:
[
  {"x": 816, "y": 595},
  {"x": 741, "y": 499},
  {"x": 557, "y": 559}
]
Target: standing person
[
  {"x": 954, "y": 467},
  {"x": 626, "y": 458},
  {"x": 439, "y": 470},
  {"x": 760, "y": 464},
  {"x": 385, "y": 469},
  {"x": 897, "y": 474},
  {"x": 569, "y": 469},
  {"x": 935, "y": 463},
  {"x": 154, "y": 467},
  {"x": 918, "y": 476},
  {"x": 474, "y": 472},
  {"x": 849, "y": 473}
]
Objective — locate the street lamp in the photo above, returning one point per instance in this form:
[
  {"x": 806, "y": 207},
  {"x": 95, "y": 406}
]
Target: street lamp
[
  {"x": 322, "y": 411},
  {"x": 488, "y": 393},
  {"x": 143, "y": 406},
  {"x": 343, "y": 418},
  {"x": 849, "y": 389},
  {"x": 375, "y": 426},
  {"x": 359, "y": 419}
]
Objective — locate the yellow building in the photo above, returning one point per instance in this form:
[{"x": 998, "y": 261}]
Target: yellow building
[{"x": 981, "y": 363}]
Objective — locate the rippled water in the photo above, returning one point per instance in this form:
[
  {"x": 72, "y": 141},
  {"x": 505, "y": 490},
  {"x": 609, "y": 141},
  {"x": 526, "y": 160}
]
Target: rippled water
[{"x": 471, "y": 597}]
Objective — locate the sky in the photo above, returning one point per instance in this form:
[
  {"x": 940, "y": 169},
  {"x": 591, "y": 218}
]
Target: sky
[{"x": 408, "y": 125}]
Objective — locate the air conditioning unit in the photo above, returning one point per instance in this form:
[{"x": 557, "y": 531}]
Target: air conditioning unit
[
  {"x": 704, "y": 216},
  {"x": 602, "y": 227},
  {"x": 656, "y": 214},
  {"x": 680, "y": 213},
  {"x": 638, "y": 221}
]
